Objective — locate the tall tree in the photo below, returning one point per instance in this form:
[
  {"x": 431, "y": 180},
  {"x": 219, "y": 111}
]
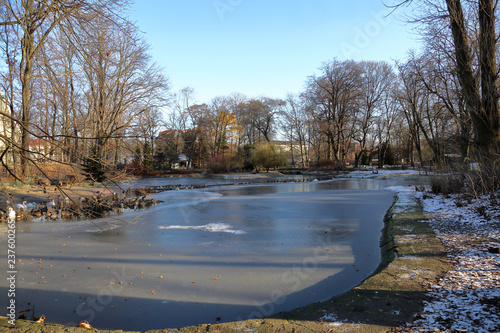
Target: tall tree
[
  {"x": 480, "y": 94},
  {"x": 295, "y": 125},
  {"x": 376, "y": 79},
  {"x": 122, "y": 81},
  {"x": 264, "y": 112},
  {"x": 36, "y": 21},
  {"x": 335, "y": 95}
]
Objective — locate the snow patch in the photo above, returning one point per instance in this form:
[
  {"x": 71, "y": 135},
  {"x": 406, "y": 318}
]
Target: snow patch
[
  {"x": 332, "y": 319},
  {"x": 211, "y": 227},
  {"x": 467, "y": 298}
]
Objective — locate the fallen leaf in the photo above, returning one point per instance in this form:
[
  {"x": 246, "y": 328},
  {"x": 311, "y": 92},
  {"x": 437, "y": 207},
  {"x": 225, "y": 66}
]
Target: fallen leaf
[
  {"x": 161, "y": 276},
  {"x": 85, "y": 325},
  {"x": 153, "y": 292},
  {"x": 64, "y": 275},
  {"x": 63, "y": 244}
]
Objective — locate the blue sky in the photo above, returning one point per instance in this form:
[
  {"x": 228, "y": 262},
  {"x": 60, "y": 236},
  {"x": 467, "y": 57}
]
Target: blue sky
[{"x": 264, "y": 48}]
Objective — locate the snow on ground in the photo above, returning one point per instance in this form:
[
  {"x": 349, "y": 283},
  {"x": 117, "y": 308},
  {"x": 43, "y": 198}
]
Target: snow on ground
[
  {"x": 406, "y": 197},
  {"x": 467, "y": 299},
  {"x": 380, "y": 172}
]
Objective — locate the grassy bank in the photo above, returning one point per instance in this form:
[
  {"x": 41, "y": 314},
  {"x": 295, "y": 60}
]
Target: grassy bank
[{"x": 389, "y": 298}]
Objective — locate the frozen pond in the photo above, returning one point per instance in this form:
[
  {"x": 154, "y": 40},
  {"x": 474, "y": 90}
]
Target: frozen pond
[{"x": 224, "y": 253}]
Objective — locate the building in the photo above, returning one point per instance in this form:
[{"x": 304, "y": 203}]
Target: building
[{"x": 7, "y": 127}]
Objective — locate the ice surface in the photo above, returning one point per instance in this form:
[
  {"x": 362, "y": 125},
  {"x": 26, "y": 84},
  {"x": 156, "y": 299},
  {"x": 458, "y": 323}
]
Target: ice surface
[{"x": 234, "y": 252}]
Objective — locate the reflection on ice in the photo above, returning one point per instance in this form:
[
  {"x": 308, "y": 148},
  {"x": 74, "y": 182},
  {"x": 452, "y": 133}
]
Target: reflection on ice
[
  {"x": 212, "y": 227},
  {"x": 177, "y": 199}
]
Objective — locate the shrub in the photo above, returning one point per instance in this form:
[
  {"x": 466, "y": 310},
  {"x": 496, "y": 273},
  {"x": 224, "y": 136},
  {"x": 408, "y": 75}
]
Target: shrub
[
  {"x": 93, "y": 167},
  {"x": 448, "y": 184},
  {"x": 366, "y": 158},
  {"x": 267, "y": 156},
  {"x": 222, "y": 163},
  {"x": 386, "y": 155},
  {"x": 245, "y": 154}
]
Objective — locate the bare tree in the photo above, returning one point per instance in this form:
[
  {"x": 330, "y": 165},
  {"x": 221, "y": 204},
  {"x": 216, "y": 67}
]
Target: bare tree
[
  {"x": 335, "y": 96},
  {"x": 179, "y": 117},
  {"x": 264, "y": 111},
  {"x": 223, "y": 124},
  {"x": 200, "y": 133},
  {"x": 122, "y": 81},
  {"x": 386, "y": 122},
  {"x": 295, "y": 126},
  {"x": 424, "y": 111},
  {"x": 36, "y": 21},
  {"x": 480, "y": 93},
  {"x": 10, "y": 51},
  {"x": 376, "y": 80},
  {"x": 443, "y": 84}
]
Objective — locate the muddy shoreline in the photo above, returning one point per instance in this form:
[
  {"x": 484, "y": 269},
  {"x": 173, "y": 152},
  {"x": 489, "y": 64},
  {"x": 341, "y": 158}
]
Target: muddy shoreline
[{"x": 393, "y": 296}]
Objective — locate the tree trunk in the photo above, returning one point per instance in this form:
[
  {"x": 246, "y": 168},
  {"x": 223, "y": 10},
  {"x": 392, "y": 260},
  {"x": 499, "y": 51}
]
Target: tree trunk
[
  {"x": 26, "y": 73},
  {"x": 490, "y": 136},
  {"x": 483, "y": 111}
]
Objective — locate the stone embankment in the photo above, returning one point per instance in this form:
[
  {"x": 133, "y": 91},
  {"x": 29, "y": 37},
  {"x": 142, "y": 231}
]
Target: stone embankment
[{"x": 69, "y": 208}]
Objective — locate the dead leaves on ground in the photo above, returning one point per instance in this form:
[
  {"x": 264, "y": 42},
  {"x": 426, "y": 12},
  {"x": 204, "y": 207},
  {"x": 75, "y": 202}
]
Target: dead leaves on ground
[
  {"x": 40, "y": 320},
  {"x": 84, "y": 324}
]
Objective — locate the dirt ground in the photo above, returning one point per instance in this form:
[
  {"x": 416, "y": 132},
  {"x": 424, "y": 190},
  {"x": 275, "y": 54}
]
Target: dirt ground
[
  {"x": 393, "y": 296},
  {"x": 41, "y": 194}
]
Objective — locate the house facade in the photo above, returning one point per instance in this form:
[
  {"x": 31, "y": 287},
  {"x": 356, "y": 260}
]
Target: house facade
[{"x": 9, "y": 133}]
